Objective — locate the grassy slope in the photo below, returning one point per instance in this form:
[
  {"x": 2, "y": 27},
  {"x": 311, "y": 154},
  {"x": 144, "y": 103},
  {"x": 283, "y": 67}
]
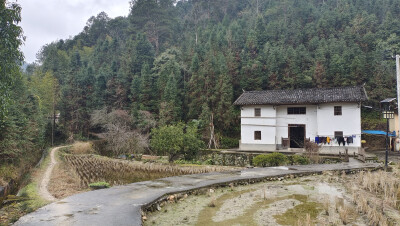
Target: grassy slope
[{"x": 30, "y": 199}]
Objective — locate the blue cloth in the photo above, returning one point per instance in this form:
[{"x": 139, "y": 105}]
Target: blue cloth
[
  {"x": 317, "y": 140},
  {"x": 378, "y": 132}
]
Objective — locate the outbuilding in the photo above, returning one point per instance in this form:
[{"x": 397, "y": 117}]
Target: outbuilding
[{"x": 274, "y": 120}]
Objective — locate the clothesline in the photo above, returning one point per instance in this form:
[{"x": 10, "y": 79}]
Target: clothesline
[{"x": 338, "y": 136}]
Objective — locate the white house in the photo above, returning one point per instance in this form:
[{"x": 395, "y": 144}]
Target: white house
[{"x": 283, "y": 119}]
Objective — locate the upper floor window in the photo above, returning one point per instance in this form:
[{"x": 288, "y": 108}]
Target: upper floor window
[
  {"x": 337, "y": 110},
  {"x": 338, "y": 134},
  {"x": 296, "y": 110},
  {"x": 257, "y": 112},
  {"x": 257, "y": 135}
]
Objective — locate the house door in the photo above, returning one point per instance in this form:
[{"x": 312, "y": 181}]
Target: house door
[{"x": 297, "y": 135}]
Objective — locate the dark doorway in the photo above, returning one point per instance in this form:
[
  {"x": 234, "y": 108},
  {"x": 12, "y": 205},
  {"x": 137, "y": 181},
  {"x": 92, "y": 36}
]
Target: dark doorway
[{"x": 297, "y": 135}]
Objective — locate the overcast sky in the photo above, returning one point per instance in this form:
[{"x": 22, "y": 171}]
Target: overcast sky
[{"x": 45, "y": 21}]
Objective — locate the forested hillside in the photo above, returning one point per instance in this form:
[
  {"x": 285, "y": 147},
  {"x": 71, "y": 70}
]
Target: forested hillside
[{"x": 173, "y": 61}]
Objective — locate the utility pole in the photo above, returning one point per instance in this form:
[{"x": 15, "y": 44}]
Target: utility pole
[{"x": 398, "y": 92}]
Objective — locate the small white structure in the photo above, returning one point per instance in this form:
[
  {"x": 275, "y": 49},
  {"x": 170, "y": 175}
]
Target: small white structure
[{"x": 283, "y": 119}]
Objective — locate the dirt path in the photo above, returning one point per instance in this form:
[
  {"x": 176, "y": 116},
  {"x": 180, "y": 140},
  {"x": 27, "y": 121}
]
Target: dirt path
[{"x": 43, "y": 191}]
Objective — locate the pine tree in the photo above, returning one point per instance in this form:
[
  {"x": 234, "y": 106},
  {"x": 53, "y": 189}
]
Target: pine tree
[{"x": 146, "y": 101}]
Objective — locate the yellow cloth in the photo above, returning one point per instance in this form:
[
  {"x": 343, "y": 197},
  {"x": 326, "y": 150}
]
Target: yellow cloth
[{"x": 328, "y": 139}]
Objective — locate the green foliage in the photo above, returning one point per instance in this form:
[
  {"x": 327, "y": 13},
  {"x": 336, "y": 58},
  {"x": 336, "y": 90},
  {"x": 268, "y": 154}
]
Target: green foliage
[
  {"x": 176, "y": 140},
  {"x": 228, "y": 142},
  {"x": 190, "y": 162},
  {"x": 298, "y": 160},
  {"x": 168, "y": 140},
  {"x": 34, "y": 201},
  {"x": 272, "y": 159},
  {"x": 11, "y": 57},
  {"x": 192, "y": 59},
  {"x": 99, "y": 185}
]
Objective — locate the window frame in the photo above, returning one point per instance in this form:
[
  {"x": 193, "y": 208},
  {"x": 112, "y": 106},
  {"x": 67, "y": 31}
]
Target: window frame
[
  {"x": 337, "y": 110},
  {"x": 257, "y": 112},
  {"x": 296, "y": 110},
  {"x": 338, "y": 134},
  {"x": 257, "y": 135}
]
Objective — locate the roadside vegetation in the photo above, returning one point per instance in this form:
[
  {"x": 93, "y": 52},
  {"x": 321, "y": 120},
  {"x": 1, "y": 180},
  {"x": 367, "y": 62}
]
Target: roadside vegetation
[{"x": 28, "y": 198}]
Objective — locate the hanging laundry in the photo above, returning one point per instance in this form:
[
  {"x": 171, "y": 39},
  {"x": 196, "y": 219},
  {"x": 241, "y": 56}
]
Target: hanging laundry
[
  {"x": 328, "y": 140},
  {"x": 349, "y": 140},
  {"x": 341, "y": 140},
  {"x": 317, "y": 140}
]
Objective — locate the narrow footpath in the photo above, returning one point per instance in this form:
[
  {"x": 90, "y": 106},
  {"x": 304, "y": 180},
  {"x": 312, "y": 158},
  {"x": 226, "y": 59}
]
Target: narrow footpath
[
  {"x": 122, "y": 205},
  {"x": 43, "y": 191}
]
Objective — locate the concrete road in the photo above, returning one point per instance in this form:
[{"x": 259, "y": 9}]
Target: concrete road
[{"x": 121, "y": 205}]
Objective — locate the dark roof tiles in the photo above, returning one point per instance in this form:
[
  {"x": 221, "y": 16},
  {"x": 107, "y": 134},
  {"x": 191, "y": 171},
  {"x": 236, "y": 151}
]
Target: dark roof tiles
[{"x": 303, "y": 96}]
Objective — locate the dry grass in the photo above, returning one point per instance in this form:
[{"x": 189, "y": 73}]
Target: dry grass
[
  {"x": 92, "y": 168},
  {"x": 305, "y": 221},
  {"x": 64, "y": 181},
  {"x": 79, "y": 148},
  {"x": 376, "y": 193},
  {"x": 326, "y": 204},
  {"x": 213, "y": 202},
  {"x": 383, "y": 184},
  {"x": 345, "y": 214},
  {"x": 365, "y": 205},
  {"x": 339, "y": 203}
]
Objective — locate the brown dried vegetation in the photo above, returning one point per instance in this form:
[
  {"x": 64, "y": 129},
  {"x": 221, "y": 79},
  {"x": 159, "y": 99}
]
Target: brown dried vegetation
[
  {"x": 312, "y": 151},
  {"x": 92, "y": 168},
  {"x": 376, "y": 194}
]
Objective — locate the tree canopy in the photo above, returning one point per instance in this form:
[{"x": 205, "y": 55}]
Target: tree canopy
[{"x": 184, "y": 60}]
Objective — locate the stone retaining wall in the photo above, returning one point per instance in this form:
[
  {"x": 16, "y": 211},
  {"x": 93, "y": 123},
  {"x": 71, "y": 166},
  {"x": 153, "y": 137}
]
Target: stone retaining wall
[
  {"x": 225, "y": 158},
  {"x": 244, "y": 159}
]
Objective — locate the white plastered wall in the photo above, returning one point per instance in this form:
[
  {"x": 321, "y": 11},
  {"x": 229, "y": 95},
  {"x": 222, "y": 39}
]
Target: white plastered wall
[
  {"x": 319, "y": 121},
  {"x": 349, "y": 122},
  {"x": 265, "y": 123},
  {"x": 308, "y": 119}
]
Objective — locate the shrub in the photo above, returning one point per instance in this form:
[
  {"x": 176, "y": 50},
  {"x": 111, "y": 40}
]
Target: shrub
[
  {"x": 312, "y": 151},
  {"x": 191, "y": 162},
  {"x": 80, "y": 147},
  {"x": 176, "y": 140},
  {"x": 273, "y": 159},
  {"x": 300, "y": 160},
  {"x": 227, "y": 142},
  {"x": 208, "y": 162},
  {"x": 99, "y": 185},
  {"x": 119, "y": 133}
]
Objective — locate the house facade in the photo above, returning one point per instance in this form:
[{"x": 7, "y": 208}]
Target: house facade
[{"x": 284, "y": 119}]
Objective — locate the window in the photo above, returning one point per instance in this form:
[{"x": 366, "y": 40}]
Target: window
[
  {"x": 257, "y": 135},
  {"x": 337, "y": 110},
  {"x": 296, "y": 110},
  {"x": 338, "y": 134},
  {"x": 257, "y": 112}
]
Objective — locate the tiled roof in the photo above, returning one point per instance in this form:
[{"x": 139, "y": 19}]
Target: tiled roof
[{"x": 303, "y": 96}]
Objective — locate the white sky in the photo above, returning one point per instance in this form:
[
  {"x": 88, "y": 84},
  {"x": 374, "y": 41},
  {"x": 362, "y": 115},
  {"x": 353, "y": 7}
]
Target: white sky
[{"x": 45, "y": 21}]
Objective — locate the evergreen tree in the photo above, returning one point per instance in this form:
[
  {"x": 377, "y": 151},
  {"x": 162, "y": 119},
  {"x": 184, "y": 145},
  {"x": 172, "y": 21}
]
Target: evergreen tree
[{"x": 147, "y": 90}]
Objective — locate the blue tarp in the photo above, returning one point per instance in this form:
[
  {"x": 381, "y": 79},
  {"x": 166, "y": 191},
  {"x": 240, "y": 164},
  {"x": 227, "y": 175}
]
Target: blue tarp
[{"x": 378, "y": 132}]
